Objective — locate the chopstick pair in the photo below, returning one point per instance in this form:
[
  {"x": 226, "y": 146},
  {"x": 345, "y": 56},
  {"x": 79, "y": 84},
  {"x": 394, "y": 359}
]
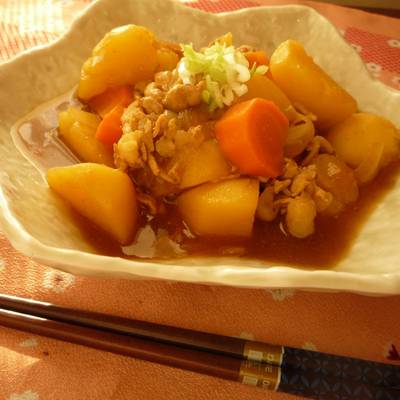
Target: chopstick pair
[{"x": 305, "y": 373}]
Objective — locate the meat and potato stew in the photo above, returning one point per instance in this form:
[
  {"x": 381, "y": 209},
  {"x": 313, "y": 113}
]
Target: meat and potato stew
[{"x": 216, "y": 143}]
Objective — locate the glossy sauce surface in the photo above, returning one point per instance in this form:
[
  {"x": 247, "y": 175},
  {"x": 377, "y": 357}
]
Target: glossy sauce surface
[{"x": 166, "y": 237}]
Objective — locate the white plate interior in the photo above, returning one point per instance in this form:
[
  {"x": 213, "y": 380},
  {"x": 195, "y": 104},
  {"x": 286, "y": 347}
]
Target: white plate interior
[{"x": 37, "y": 222}]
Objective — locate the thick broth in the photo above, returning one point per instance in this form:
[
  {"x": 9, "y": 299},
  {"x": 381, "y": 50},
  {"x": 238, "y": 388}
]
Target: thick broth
[{"x": 330, "y": 243}]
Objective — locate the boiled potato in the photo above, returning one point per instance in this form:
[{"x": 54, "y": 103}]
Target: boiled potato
[
  {"x": 125, "y": 56},
  {"x": 369, "y": 167},
  {"x": 166, "y": 59},
  {"x": 67, "y": 118},
  {"x": 205, "y": 164},
  {"x": 305, "y": 83},
  {"x": 365, "y": 141},
  {"x": 77, "y": 128},
  {"x": 261, "y": 86},
  {"x": 226, "y": 208},
  {"x": 104, "y": 195},
  {"x": 334, "y": 176}
]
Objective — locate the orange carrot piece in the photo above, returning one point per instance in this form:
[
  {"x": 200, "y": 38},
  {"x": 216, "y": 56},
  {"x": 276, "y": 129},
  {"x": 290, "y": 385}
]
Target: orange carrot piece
[
  {"x": 109, "y": 130},
  {"x": 257, "y": 57},
  {"x": 251, "y": 135},
  {"x": 115, "y": 96}
]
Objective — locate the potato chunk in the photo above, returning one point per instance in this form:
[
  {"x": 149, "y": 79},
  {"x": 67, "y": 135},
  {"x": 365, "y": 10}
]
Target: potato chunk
[
  {"x": 221, "y": 209},
  {"x": 261, "y": 86},
  {"x": 304, "y": 82},
  {"x": 366, "y": 142},
  {"x": 77, "y": 128},
  {"x": 166, "y": 59},
  {"x": 205, "y": 164},
  {"x": 104, "y": 195},
  {"x": 125, "y": 56},
  {"x": 334, "y": 176}
]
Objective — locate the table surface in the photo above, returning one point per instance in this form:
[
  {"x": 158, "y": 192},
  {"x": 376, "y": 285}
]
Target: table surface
[
  {"x": 385, "y": 7},
  {"x": 33, "y": 367}
]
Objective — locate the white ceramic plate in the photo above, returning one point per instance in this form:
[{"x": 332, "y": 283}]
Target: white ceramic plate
[{"x": 35, "y": 220}]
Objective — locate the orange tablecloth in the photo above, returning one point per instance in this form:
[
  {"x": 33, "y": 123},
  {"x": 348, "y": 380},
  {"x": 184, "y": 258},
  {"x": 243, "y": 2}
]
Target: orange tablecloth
[{"x": 37, "y": 368}]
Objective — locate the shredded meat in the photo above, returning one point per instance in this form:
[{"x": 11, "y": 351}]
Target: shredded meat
[
  {"x": 181, "y": 97},
  {"x": 127, "y": 150},
  {"x": 151, "y": 105},
  {"x": 318, "y": 145},
  {"x": 303, "y": 179},
  {"x": 160, "y": 127},
  {"x": 168, "y": 120},
  {"x": 296, "y": 196}
]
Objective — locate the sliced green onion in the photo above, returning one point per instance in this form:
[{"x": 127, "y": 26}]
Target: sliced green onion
[{"x": 224, "y": 69}]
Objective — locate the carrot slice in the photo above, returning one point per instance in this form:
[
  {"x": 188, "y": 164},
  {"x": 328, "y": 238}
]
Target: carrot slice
[
  {"x": 109, "y": 130},
  {"x": 115, "y": 96},
  {"x": 257, "y": 57},
  {"x": 251, "y": 135}
]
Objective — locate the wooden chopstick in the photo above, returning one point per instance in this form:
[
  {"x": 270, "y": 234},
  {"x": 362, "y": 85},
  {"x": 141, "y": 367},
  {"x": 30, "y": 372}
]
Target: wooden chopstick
[
  {"x": 209, "y": 354},
  {"x": 230, "y": 346},
  {"x": 192, "y": 360}
]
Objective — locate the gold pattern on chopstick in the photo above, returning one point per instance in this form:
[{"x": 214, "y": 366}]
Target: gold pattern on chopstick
[
  {"x": 263, "y": 353},
  {"x": 256, "y": 373}
]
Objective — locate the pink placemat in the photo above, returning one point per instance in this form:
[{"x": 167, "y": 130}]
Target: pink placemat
[{"x": 37, "y": 368}]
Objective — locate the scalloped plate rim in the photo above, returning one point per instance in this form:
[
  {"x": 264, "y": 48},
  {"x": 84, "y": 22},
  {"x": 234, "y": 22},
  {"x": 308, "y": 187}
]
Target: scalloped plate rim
[{"x": 82, "y": 263}]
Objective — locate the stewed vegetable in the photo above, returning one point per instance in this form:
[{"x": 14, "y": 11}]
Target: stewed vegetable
[
  {"x": 223, "y": 136},
  {"x": 104, "y": 195}
]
